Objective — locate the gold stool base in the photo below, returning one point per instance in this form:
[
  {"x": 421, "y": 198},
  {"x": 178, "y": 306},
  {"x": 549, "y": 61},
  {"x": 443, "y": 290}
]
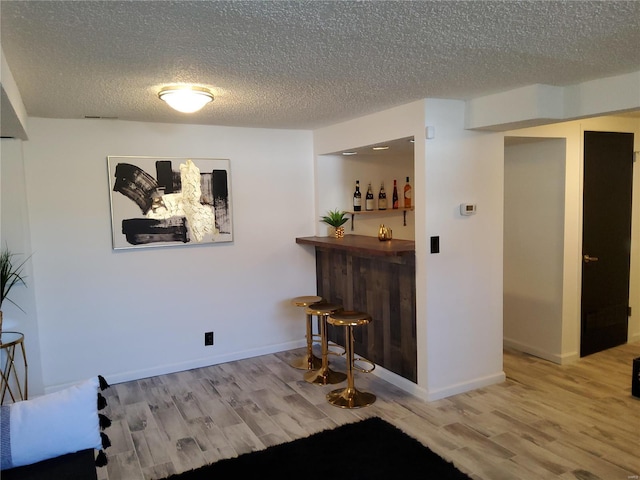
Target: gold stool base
[
  {"x": 307, "y": 361},
  {"x": 350, "y": 398},
  {"x": 324, "y": 377},
  {"x": 302, "y": 363}
]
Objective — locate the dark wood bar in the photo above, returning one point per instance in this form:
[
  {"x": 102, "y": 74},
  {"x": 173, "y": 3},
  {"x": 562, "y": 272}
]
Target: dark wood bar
[{"x": 362, "y": 273}]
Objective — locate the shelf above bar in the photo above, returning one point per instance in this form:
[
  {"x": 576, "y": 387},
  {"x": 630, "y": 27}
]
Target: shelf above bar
[
  {"x": 381, "y": 212},
  {"x": 388, "y": 210}
]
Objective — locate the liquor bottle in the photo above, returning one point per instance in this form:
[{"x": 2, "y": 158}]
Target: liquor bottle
[
  {"x": 382, "y": 198},
  {"x": 357, "y": 198},
  {"x": 395, "y": 195},
  {"x": 407, "y": 194},
  {"x": 368, "y": 205}
]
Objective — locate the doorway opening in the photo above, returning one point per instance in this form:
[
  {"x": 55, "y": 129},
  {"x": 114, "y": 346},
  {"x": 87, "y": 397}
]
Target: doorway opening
[{"x": 534, "y": 215}]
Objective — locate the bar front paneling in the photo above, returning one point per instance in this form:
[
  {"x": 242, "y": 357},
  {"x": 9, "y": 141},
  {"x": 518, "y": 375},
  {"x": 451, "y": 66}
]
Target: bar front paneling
[{"x": 379, "y": 279}]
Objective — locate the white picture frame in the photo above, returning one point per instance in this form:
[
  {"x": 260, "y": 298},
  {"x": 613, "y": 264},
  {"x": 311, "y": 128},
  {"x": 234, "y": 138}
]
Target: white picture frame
[{"x": 169, "y": 201}]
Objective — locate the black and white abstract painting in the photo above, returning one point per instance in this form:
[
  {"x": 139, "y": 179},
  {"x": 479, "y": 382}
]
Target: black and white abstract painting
[{"x": 158, "y": 201}]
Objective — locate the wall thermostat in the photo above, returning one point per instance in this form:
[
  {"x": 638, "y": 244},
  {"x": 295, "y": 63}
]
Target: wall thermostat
[{"x": 467, "y": 208}]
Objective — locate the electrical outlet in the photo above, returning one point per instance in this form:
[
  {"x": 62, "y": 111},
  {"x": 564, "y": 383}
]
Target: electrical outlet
[{"x": 208, "y": 338}]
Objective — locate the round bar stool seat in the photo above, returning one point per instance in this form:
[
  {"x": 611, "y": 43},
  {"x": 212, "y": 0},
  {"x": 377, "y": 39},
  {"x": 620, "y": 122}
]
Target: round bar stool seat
[
  {"x": 308, "y": 361},
  {"x": 324, "y": 375},
  {"x": 350, "y": 397}
]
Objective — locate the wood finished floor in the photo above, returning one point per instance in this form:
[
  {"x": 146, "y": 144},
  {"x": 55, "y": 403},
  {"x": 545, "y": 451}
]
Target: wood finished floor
[{"x": 544, "y": 422}]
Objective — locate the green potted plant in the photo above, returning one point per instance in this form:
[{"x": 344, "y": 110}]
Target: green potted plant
[
  {"x": 11, "y": 274},
  {"x": 336, "y": 218}
]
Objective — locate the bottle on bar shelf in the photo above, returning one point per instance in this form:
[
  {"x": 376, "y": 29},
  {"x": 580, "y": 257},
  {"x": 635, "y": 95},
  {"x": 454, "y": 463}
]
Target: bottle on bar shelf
[
  {"x": 369, "y": 203},
  {"x": 407, "y": 194},
  {"x": 395, "y": 195},
  {"x": 357, "y": 198},
  {"x": 382, "y": 198}
]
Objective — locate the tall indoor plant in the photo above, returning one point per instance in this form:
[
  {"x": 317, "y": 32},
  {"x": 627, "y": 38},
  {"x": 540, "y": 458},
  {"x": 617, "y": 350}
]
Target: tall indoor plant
[{"x": 11, "y": 274}]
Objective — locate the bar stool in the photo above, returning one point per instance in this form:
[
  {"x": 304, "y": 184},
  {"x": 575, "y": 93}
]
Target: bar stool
[
  {"x": 324, "y": 375},
  {"x": 350, "y": 397},
  {"x": 309, "y": 361}
]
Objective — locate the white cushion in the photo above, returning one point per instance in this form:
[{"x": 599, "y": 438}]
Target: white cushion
[{"x": 54, "y": 424}]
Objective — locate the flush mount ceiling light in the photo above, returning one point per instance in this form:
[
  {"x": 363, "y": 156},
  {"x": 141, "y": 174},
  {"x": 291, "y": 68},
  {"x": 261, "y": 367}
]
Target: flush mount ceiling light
[{"x": 186, "y": 99}]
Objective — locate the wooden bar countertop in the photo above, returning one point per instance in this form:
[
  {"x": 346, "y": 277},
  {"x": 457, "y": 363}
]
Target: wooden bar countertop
[{"x": 362, "y": 244}]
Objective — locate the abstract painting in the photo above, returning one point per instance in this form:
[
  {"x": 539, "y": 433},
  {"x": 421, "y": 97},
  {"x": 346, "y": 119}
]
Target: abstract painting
[{"x": 167, "y": 201}]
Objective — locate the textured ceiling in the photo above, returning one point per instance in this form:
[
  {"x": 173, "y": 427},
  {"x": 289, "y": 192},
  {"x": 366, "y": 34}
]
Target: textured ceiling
[{"x": 302, "y": 64}]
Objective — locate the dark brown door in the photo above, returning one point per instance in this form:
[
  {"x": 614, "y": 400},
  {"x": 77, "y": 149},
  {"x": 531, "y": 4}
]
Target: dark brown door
[{"x": 606, "y": 240}]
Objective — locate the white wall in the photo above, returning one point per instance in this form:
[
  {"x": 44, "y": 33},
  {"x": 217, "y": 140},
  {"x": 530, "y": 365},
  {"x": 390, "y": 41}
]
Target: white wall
[
  {"x": 573, "y": 133},
  {"x": 533, "y": 245},
  {"x": 17, "y": 237},
  {"x": 462, "y": 294},
  {"x": 133, "y": 313}
]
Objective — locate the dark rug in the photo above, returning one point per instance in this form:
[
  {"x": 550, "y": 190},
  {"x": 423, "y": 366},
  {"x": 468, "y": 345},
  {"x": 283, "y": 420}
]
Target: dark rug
[{"x": 366, "y": 450}]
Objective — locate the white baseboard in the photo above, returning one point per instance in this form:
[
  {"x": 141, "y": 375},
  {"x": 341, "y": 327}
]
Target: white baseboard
[
  {"x": 440, "y": 393},
  {"x": 432, "y": 395},
  {"x": 393, "y": 378},
  {"x": 560, "y": 359},
  {"x": 198, "y": 363},
  {"x": 400, "y": 382}
]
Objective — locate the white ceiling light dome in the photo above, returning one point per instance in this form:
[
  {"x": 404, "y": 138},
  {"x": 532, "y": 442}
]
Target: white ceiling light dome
[{"x": 186, "y": 99}]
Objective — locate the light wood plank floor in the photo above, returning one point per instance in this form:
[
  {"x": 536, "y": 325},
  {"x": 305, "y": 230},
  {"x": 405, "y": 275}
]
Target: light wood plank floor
[{"x": 545, "y": 422}]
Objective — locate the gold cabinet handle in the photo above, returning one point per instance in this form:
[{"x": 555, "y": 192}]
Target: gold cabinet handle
[{"x": 588, "y": 259}]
